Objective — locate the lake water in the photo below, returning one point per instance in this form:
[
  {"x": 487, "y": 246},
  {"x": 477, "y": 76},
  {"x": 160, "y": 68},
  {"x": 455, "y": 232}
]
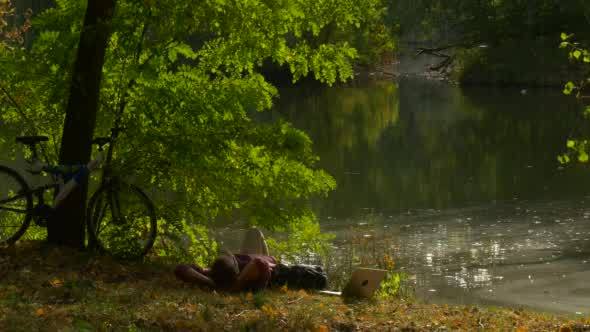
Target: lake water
[{"x": 461, "y": 186}]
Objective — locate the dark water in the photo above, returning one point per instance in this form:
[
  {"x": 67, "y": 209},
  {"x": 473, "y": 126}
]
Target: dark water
[{"x": 461, "y": 187}]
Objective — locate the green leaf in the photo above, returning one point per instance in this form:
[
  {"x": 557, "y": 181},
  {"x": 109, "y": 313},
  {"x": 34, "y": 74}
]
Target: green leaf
[
  {"x": 186, "y": 51},
  {"x": 172, "y": 55},
  {"x": 576, "y": 54},
  {"x": 569, "y": 87},
  {"x": 563, "y": 159},
  {"x": 571, "y": 143},
  {"x": 564, "y": 36},
  {"x": 583, "y": 157}
]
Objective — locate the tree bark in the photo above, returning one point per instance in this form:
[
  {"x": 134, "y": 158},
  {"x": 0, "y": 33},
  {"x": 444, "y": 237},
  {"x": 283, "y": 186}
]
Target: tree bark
[{"x": 67, "y": 225}]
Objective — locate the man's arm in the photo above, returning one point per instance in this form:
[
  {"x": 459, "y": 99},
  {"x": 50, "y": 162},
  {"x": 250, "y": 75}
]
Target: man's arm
[
  {"x": 256, "y": 274},
  {"x": 189, "y": 274}
]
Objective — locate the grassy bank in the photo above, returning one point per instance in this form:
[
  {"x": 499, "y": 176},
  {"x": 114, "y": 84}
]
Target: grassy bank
[{"x": 49, "y": 289}]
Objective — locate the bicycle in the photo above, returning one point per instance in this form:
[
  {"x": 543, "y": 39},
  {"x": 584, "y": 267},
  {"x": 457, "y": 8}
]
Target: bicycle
[{"x": 121, "y": 219}]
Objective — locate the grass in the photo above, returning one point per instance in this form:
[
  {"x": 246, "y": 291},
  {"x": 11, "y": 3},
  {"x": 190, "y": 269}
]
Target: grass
[{"x": 52, "y": 289}]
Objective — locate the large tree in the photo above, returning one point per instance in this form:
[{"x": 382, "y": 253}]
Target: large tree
[{"x": 67, "y": 224}]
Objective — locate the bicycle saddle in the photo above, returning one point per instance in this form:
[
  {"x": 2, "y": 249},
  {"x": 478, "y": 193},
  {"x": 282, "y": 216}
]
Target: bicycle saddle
[{"x": 31, "y": 140}]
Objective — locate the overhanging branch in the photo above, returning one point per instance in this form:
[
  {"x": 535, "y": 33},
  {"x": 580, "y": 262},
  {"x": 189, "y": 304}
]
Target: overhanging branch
[{"x": 447, "y": 59}]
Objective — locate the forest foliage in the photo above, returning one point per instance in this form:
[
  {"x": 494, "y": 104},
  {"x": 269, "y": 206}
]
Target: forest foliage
[
  {"x": 491, "y": 21},
  {"x": 187, "y": 75},
  {"x": 578, "y": 147},
  {"x": 501, "y": 42}
]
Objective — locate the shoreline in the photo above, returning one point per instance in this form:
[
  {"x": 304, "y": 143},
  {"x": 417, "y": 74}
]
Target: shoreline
[{"x": 50, "y": 288}]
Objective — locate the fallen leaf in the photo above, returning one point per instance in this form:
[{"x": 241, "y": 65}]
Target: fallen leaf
[
  {"x": 56, "y": 283},
  {"x": 40, "y": 312},
  {"x": 322, "y": 328}
]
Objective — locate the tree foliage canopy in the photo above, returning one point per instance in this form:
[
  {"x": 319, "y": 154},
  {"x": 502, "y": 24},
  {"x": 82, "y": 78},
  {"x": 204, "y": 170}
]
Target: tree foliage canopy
[{"x": 186, "y": 76}]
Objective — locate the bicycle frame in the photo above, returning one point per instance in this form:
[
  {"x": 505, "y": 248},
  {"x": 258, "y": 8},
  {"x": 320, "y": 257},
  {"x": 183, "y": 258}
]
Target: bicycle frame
[
  {"x": 106, "y": 170},
  {"x": 64, "y": 189},
  {"x": 58, "y": 172},
  {"x": 37, "y": 192}
]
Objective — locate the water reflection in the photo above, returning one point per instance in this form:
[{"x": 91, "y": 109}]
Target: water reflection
[{"x": 426, "y": 145}]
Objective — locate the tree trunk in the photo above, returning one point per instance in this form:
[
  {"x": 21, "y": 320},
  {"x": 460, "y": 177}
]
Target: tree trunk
[{"x": 67, "y": 226}]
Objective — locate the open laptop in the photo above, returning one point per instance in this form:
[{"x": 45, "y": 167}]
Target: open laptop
[{"x": 363, "y": 283}]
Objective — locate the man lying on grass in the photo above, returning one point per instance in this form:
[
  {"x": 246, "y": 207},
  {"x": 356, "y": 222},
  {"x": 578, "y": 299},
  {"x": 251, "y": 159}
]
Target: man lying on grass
[
  {"x": 239, "y": 272},
  {"x": 252, "y": 270}
]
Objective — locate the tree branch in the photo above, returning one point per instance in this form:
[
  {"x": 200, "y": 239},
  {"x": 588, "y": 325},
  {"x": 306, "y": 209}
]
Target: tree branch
[{"x": 447, "y": 59}]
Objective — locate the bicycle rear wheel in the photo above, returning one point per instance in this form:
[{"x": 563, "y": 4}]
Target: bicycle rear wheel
[
  {"x": 122, "y": 220},
  {"x": 16, "y": 204}
]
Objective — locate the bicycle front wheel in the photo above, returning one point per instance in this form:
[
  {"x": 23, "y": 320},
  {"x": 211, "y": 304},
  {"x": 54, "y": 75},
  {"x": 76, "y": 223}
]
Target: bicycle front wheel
[
  {"x": 16, "y": 204},
  {"x": 122, "y": 220}
]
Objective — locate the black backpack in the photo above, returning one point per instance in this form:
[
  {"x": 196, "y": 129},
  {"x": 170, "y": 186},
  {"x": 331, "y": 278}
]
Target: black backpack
[{"x": 299, "y": 276}]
